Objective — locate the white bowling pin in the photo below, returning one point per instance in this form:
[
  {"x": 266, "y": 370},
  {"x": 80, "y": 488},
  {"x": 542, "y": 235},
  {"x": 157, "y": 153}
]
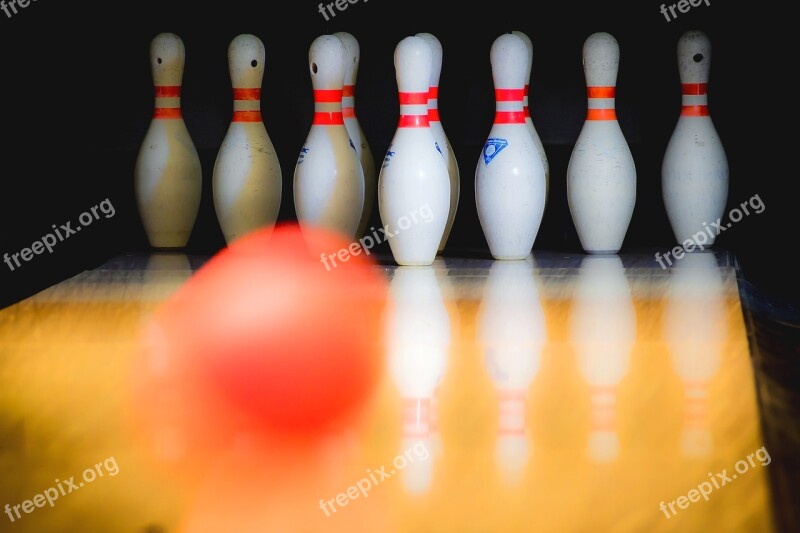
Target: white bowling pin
[
  {"x": 442, "y": 142},
  {"x": 695, "y": 168},
  {"x": 601, "y": 176},
  {"x": 328, "y": 179},
  {"x": 168, "y": 176},
  {"x": 602, "y": 330},
  {"x": 510, "y": 178},
  {"x": 247, "y": 175},
  {"x": 526, "y": 110},
  {"x": 414, "y": 186},
  {"x": 352, "y": 56}
]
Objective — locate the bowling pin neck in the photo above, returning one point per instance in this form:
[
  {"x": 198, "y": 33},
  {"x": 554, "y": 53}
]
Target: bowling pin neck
[
  {"x": 602, "y": 103},
  {"x": 694, "y": 64},
  {"x": 433, "y": 104},
  {"x": 246, "y": 105},
  {"x": 328, "y": 107},
  {"x": 168, "y": 102},
  {"x": 696, "y": 404},
  {"x": 349, "y": 101},
  {"x": 511, "y": 412},
  {"x": 414, "y": 110},
  {"x": 603, "y": 407},
  {"x": 509, "y": 107},
  {"x": 167, "y": 59}
]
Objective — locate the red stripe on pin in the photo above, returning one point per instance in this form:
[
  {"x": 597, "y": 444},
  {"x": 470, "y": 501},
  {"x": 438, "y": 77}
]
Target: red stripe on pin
[
  {"x": 349, "y": 90},
  {"x": 168, "y": 91},
  {"x": 328, "y": 119},
  {"x": 349, "y": 112},
  {"x": 602, "y": 114},
  {"x": 246, "y": 94},
  {"x": 413, "y": 98},
  {"x": 694, "y": 89},
  {"x": 326, "y": 96},
  {"x": 413, "y": 121},
  {"x": 509, "y": 95},
  {"x": 509, "y": 117},
  {"x": 433, "y": 115},
  {"x": 167, "y": 112},
  {"x": 433, "y": 93},
  {"x": 602, "y": 92},
  {"x": 247, "y": 116},
  {"x": 695, "y": 111}
]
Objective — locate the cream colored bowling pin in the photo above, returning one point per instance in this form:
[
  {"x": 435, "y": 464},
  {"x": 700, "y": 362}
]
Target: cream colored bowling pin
[
  {"x": 168, "y": 176},
  {"x": 414, "y": 186},
  {"x": 328, "y": 179},
  {"x": 695, "y": 168},
  {"x": 442, "y": 142},
  {"x": 247, "y": 175},
  {"x": 509, "y": 179},
  {"x": 528, "y": 119},
  {"x": 352, "y": 57},
  {"x": 601, "y": 176}
]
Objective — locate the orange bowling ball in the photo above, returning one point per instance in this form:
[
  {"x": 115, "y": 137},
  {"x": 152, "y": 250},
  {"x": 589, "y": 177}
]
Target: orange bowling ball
[{"x": 277, "y": 335}]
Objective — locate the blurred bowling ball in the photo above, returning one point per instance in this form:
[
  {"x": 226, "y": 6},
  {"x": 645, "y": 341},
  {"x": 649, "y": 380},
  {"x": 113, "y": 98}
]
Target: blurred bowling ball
[{"x": 277, "y": 335}]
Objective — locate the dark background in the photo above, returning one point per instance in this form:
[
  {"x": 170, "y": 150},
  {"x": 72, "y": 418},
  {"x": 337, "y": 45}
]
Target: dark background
[{"x": 77, "y": 100}]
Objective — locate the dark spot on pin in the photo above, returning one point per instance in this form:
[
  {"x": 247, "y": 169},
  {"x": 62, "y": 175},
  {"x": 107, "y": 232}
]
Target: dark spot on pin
[
  {"x": 314, "y": 68},
  {"x": 159, "y": 61},
  {"x": 698, "y": 58},
  {"x": 355, "y": 59},
  {"x": 254, "y": 63}
]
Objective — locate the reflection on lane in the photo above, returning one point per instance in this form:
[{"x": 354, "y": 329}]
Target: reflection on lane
[
  {"x": 417, "y": 340},
  {"x": 695, "y": 331},
  {"x": 511, "y": 331},
  {"x": 602, "y": 330}
]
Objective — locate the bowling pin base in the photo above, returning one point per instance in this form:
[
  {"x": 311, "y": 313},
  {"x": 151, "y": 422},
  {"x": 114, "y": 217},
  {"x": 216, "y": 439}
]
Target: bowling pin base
[{"x": 603, "y": 252}]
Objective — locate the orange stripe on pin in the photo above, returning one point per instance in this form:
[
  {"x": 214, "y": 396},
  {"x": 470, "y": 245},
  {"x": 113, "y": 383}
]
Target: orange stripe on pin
[
  {"x": 413, "y": 121},
  {"x": 167, "y": 112},
  {"x": 602, "y": 114},
  {"x": 413, "y": 98},
  {"x": 694, "y": 89},
  {"x": 168, "y": 91},
  {"x": 247, "y": 116},
  {"x": 326, "y": 96},
  {"x": 247, "y": 94},
  {"x": 695, "y": 111},
  {"x": 328, "y": 119},
  {"x": 602, "y": 92},
  {"x": 509, "y": 95},
  {"x": 509, "y": 117}
]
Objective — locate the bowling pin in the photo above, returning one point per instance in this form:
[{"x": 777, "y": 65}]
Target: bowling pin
[
  {"x": 510, "y": 178},
  {"x": 352, "y": 56},
  {"x": 601, "y": 176},
  {"x": 247, "y": 175},
  {"x": 442, "y": 142},
  {"x": 328, "y": 179},
  {"x": 413, "y": 185},
  {"x": 526, "y": 110},
  {"x": 168, "y": 176},
  {"x": 695, "y": 168}
]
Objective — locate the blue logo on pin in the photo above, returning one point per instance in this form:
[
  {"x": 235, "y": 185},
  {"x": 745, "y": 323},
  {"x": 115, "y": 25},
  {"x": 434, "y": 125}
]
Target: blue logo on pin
[
  {"x": 438, "y": 149},
  {"x": 492, "y": 148}
]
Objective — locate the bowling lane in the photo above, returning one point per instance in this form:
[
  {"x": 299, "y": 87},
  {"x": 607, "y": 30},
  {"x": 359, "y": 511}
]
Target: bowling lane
[{"x": 560, "y": 393}]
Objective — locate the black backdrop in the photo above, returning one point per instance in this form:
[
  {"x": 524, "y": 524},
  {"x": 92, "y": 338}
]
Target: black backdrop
[{"x": 76, "y": 95}]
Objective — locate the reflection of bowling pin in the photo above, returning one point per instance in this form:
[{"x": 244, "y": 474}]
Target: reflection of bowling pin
[
  {"x": 417, "y": 339},
  {"x": 603, "y": 332},
  {"x": 510, "y": 178},
  {"x": 414, "y": 176},
  {"x": 526, "y": 110},
  {"x": 168, "y": 173},
  {"x": 695, "y": 169},
  {"x": 442, "y": 142},
  {"x": 328, "y": 179},
  {"x": 511, "y": 329},
  {"x": 695, "y": 330},
  {"x": 601, "y": 176},
  {"x": 247, "y": 175},
  {"x": 352, "y": 55}
]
